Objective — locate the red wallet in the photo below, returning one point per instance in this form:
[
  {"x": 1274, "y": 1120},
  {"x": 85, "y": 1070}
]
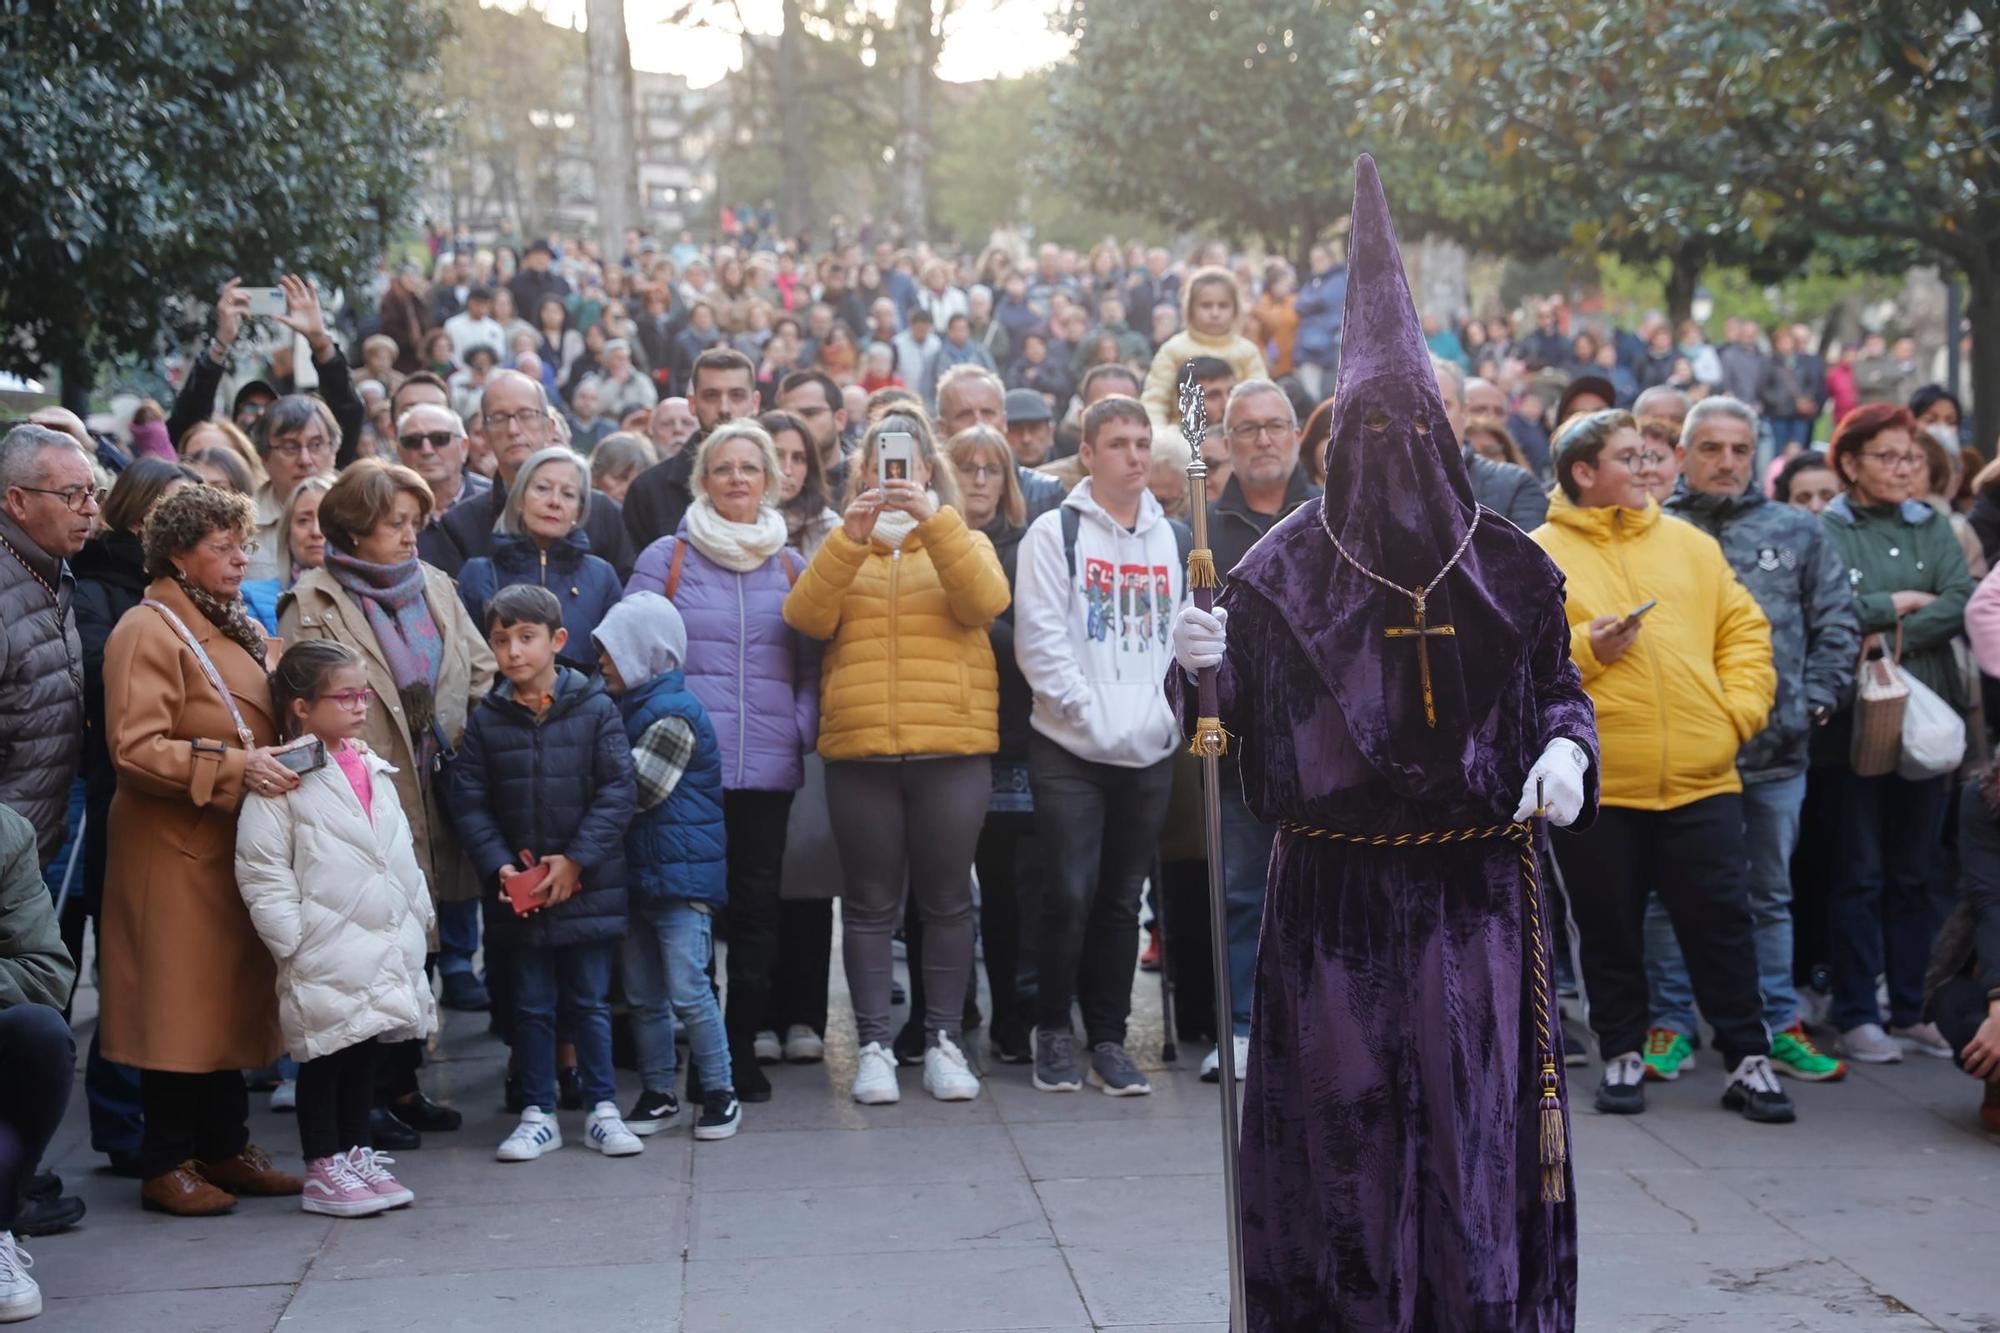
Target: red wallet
[{"x": 529, "y": 889}]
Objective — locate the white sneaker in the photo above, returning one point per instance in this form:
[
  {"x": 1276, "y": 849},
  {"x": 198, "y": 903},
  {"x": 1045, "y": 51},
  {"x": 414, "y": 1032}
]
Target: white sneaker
[
  {"x": 1211, "y": 1067},
  {"x": 604, "y": 1130},
  {"x": 1870, "y": 1045},
  {"x": 536, "y": 1134},
  {"x": 285, "y": 1097},
  {"x": 803, "y": 1046},
  {"x": 20, "y": 1296},
  {"x": 946, "y": 1075},
  {"x": 767, "y": 1048},
  {"x": 875, "y": 1077},
  {"x": 1923, "y": 1037}
]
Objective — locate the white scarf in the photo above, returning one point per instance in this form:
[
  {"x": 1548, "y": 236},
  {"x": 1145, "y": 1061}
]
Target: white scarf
[
  {"x": 738, "y": 546},
  {"x": 893, "y": 526}
]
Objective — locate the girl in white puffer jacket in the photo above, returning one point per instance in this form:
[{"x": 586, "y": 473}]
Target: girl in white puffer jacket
[{"x": 329, "y": 872}]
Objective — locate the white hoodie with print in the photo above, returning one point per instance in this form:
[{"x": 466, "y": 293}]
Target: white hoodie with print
[{"x": 1095, "y": 647}]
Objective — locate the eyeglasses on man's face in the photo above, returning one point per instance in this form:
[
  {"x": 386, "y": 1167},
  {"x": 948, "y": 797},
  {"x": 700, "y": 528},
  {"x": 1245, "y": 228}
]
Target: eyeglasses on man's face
[
  {"x": 525, "y": 419},
  {"x": 77, "y": 499},
  {"x": 298, "y": 448},
  {"x": 1244, "y": 432}
]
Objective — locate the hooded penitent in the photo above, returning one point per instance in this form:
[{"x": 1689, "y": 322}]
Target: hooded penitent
[{"x": 1399, "y": 506}]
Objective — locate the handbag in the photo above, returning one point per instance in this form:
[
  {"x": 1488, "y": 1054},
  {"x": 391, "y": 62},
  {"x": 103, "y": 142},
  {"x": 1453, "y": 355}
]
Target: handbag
[
  {"x": 1881, "y": 697},
  {"x": 1933, "y": 740}
]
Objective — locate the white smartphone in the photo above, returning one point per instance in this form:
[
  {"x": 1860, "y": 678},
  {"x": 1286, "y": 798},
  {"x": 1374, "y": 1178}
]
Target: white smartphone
[
  {"x": 893, "y": 455},
  {"x": 265, "y": 302}
]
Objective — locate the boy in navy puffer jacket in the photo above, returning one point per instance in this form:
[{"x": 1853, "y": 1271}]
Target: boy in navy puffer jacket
[
  {"x": 678, "y": 855},
  {"x": 543, "y": 767}
]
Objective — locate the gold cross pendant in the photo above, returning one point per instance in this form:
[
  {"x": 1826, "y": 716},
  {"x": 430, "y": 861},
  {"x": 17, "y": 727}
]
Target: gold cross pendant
[{"x": 1423, "y": 633}]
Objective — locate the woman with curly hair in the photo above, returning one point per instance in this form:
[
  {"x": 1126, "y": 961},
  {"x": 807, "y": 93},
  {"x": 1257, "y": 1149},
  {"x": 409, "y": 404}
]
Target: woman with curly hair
[{"x": 188, "y": 994}]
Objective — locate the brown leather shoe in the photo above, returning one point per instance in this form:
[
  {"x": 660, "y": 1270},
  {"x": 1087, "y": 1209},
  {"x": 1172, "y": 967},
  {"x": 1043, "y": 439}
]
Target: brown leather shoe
[
  {"x": 1989, "y": 1110},
  {"x": 250, "y": 1172},
  {"x": 184, "y": 1193}
]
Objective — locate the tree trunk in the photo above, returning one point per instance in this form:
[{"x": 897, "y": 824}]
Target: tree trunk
[
  {"x": 795, "y": 190},
  {"x": 77, "y": 381},
  {"x": 913, "y": 128},
  {"x": 1688, "y": 261},
  {"x": 614, "y": 167},
  {"x": 1983, "y": 312}
]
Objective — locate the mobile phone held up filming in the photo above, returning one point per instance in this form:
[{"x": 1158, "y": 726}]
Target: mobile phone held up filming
[
  {"x": 266, "y": 302},
  {"x": 893, "y": 455},
  {"x": 302, "y": 756}
]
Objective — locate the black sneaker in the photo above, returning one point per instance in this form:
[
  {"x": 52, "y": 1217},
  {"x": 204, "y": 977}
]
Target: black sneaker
[
  {"x": 721, "y": 1113},
  {"x": 1623, "y": 1091},
  {"x": 464, "y": 992},
  {"x": 1754, "y": 1091},
  {"x": 1575, "y": 1053},
  {"x": 48, "y": 1215},
  {"x": 653, "y": 1112},
  {"x": 569, "y": 1089},
  {"x": 908, "y": 1047}
]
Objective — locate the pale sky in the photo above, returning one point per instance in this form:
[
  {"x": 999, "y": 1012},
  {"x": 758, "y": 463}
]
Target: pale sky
[{"x": 986, "y": 38}]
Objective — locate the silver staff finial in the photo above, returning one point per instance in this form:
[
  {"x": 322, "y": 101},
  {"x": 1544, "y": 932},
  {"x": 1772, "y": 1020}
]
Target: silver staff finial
[{"x": 1194, "y": 415}]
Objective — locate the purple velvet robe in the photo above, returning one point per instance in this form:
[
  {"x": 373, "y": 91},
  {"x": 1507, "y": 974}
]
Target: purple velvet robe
[{"x": 1390, "y": 1154}]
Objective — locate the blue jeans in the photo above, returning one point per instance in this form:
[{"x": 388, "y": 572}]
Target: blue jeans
[
  {"x": 667, "y": 952},
  {"x": 1789, "y": 430},
  {"x": 1246, "y": 867},
  {"x": 458, "y": 935},
  {"x": 1770, "y": 832},
  {"x": 1884, "y": 914},
  {"x": 577, "y": 980}
]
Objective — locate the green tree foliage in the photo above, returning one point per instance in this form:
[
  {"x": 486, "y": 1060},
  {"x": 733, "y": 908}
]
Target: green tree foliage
[
  {"x": 1756, "y": 131},
  {"x": 154, "y": 147}
]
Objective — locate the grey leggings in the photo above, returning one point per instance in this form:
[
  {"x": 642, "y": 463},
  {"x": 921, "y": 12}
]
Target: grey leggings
[{"x": 920, "y": 816}]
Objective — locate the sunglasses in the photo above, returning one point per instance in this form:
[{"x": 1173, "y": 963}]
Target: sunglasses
[{"x": 439, "y": 440}]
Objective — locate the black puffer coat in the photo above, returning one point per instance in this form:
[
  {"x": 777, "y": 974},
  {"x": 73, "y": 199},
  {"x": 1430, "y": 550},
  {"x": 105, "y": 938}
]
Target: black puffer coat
[{"x": 558, "y": 784}]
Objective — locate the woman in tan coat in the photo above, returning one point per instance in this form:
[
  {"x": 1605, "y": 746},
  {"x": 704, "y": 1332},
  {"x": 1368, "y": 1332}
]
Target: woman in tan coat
[
  {"x": 427, "y": 664},
  {"x": 187, "y": 987}
]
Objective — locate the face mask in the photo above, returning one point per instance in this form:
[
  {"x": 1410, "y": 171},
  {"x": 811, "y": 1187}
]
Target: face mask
[{"x": 1946, "y": 436}]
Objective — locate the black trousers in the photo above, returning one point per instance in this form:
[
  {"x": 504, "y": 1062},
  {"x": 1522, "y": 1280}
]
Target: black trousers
[
  {"x": 393, "y": 1069},
  {"x": 335, "y": 1093},
  {"x": 1693, "y": 858},
  {"x": 804, "y": 966},
  {"x": 37, "y": 1065},
  {"x": 755, "y": 824},
  {"x": 496, "y": 939},
  {"x": 204, "y": 1117},
  {"x": 1100, "y": 827}
]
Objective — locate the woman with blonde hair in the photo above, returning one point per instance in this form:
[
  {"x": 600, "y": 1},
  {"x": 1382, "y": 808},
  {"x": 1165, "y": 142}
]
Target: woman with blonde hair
[
  {"x": 727, "y": 571},
  {"x": 903, "y": 592}
]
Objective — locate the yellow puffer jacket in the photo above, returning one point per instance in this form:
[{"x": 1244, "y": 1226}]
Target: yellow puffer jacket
[
  {"x": 1695, "y": 684},
  {"x": 910, "y": 669}
]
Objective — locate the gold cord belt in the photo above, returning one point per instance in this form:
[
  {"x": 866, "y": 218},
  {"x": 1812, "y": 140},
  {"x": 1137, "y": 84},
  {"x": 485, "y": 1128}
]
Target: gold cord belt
[{"x": 1554, "y": 1148}]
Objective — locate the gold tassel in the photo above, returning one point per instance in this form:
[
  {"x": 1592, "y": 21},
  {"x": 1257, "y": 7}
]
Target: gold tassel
[
  {"x": 1209, "y": 738},
  {"x": 1555, "y": 1151},
  {"x": 1201, "y": 569}
]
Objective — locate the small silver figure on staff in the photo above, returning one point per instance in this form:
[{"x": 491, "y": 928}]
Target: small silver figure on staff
[{"x": 1210, "y": 744}]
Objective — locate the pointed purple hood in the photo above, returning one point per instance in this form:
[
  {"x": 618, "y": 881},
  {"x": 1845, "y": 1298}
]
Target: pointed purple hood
[
  {"x": 1398, "y": 499},
  {"x": 1396, "y": 490}
]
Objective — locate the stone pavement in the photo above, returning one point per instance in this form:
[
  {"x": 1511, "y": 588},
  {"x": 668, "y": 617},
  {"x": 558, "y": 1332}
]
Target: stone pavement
[{"x": 1879, "y": 1211}]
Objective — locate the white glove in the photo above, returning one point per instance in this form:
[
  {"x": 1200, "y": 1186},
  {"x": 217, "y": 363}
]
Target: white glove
[
  {"x": 1560, "y": 773},
  {"x": 1199, "y": 637}
]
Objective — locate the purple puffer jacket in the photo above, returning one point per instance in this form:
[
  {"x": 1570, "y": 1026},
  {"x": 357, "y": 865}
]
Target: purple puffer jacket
[{"x": 757, "y": 676}]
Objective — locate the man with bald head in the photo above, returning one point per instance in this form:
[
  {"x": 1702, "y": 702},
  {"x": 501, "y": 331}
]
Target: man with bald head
[
  {"x": 671, "y": 425},
  {"x": 515, "y": 412},
  {"x": 971, "y": 396},
  {"x": 430, "y": 441},
  {"x": 1507, "y": 490},
  {"x": 1663, "y": 403}
]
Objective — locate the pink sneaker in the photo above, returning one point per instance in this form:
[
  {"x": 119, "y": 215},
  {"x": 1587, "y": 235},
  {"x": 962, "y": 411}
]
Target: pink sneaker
[
  {"x": 332, "y": 1188},
  {"x": 369, "y": 1165}
]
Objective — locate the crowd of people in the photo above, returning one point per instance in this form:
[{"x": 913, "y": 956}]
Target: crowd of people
[{"x": 571, "y": 613}]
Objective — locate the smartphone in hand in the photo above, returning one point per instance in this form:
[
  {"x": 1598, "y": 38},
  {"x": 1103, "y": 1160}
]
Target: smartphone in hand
[
  {"x": 1637, "y": 613},
  {"x": 893, "y": 455},
  {"x": 302, "y": 756},
  {"x": 266, "y": 302}
]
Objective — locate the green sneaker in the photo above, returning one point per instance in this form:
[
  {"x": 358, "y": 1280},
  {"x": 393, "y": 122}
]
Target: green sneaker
[
  {"x": 1793, "y": 1053},
  {"x": 1667, "y": 1054}
]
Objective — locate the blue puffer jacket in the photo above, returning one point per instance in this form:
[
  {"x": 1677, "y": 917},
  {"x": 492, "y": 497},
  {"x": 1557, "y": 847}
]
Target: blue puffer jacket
[
  {"x": 678, "y": 848},
  {"x": 560, "y": 784},
  {"x": 586, "y": 586},
  {"x": 1322, "y": 307},
  {"x": 757, "y": 676}
]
